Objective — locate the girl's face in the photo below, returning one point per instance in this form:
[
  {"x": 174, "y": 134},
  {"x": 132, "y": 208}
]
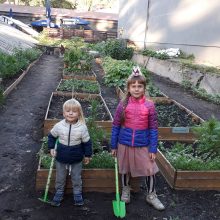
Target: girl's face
[
  {"x": 136, "y": 90},
  {"x": 71, "y": 115}
]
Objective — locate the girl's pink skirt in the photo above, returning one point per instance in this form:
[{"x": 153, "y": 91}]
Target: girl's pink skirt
[{"x": 136, "y": 161}]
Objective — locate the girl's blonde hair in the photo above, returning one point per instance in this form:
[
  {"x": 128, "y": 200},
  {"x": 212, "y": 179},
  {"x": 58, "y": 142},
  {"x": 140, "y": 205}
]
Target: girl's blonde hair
[{"x": 73, "y": 104}]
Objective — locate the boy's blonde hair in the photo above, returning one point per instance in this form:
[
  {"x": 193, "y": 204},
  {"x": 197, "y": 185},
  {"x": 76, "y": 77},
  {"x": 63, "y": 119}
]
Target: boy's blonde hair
[{"x": 73, "y": 104}]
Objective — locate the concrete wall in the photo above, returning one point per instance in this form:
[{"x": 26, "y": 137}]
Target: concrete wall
[
  {"x": 173, "y": 70},
  {"x": 192, "y": 26}
]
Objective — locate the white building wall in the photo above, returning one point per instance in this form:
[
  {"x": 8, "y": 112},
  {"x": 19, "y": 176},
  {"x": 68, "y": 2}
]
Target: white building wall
[{"x": 193, "y": 26}]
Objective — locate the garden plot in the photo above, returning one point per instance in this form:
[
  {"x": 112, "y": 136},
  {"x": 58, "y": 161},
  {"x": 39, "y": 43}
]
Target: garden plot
[
  {"x": 184, "y": 169},
  {"x": 78, "y": 86},
  {"x": 172, "y": 115},
  {"x": 98, "y": 176},
  {"x": 193, "y": 165},
  {"x": 92, "y": 105}
]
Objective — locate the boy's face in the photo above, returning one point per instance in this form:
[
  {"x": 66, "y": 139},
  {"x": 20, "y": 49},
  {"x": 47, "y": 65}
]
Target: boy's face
[
  {"x": 71, "y": 115},
  {"x": 136, "y": 89}
]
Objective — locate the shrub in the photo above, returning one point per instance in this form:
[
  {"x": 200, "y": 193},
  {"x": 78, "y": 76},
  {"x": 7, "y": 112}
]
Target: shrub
[
  {"x": 117, "y": 71},
  {"x": 208, "y": 134},
  {"x": 117, "y": 49},
  {"x": 10, "y": 65}
]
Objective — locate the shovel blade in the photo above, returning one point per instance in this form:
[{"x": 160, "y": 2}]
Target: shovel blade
[
  {"x": 119, "y": 209},
  {"x": 44, "y": 200}
]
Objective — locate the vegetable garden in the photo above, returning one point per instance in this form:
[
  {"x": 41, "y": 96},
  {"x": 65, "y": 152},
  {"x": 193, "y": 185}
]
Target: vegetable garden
[{"x": 187, "y": 142}]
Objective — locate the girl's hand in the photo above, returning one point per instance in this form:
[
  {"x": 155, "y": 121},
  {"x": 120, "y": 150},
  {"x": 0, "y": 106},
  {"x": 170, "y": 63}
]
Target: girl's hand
[
  {"x": 152, "y": 156},
  {"x": 114, "y": 153},
  {"x": 53, "y": 153},
  {"x": 87, "y": 160}
]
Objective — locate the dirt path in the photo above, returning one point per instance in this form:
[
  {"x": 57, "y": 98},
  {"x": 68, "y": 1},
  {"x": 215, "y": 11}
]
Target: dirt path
[
  {"x": 202, "y": 108},
  {"x": 21, "y": 122}
]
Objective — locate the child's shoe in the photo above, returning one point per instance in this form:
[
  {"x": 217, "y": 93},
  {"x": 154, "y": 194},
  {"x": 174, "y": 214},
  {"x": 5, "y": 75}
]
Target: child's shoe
[
  {"x": 154, "y": 201},
  {"x": 78, "y": 199},
  {"x": 57, "y": 199},
  {"x": 126, "y": 194}
]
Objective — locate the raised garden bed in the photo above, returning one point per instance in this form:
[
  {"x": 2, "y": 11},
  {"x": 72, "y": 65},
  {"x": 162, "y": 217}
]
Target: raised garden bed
[
  {"x": 14, "y": 81},
  {"x": 78, "y": 86},
  {"x": 187, "y": 179},
  {"x": 98, "y": 176},
  {"x": 54, "y": 111},
  {"x": 174, "y": 119},
  {"x": 94, "y": 180},
  {"x": 193, "y": 165},
  {"x": 172, "y": 114},
  {"x": 90, "y": 75}
]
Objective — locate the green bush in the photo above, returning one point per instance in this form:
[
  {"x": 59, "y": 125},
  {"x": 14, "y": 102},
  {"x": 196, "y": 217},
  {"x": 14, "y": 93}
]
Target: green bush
[
  {"x": 117, "y": 71},
  {"x": 117, "y": 49},
  {"x": 10, "y": 65},
  {"x": 208, "y": 139}
]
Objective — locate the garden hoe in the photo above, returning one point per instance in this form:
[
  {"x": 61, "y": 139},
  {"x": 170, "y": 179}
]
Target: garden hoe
[
  {"x": 45, "y": 199},
  {"x": 118, "y": 206}
]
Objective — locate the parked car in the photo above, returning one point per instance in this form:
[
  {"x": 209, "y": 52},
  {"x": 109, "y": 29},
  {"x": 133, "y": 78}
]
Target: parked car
[
  {"x": 75, "y": 23},
  {"x": 43, "y": 23}
]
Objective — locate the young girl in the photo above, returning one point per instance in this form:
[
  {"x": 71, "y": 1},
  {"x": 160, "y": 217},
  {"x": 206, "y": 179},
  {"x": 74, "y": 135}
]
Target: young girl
[
  {"x": 74, "y": 146},
  {"x": 134, "y": 138}
]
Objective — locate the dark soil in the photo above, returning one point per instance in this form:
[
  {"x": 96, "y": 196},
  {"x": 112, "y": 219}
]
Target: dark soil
[
  {"x": 170, "y": 115},
  {"x": 55, "y": 110},
  {"x": 21, "y": 120}
]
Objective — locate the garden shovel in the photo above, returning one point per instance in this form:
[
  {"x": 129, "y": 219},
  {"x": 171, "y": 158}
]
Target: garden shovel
[
  {"x": 45, "y": 199},
  {"x": 118, "y": 206}
]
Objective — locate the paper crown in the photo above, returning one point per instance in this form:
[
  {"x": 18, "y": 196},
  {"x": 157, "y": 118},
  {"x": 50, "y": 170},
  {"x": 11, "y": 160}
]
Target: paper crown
[{"x": 136, "y": 71}]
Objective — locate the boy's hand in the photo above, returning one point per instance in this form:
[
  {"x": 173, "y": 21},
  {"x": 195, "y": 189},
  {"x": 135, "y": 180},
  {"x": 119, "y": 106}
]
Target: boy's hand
[
  {"x": 53, "y": 153},
  {"x": 114, "y": 153},
  {"x": 152, "y": 156},
  {"x": 87, "y": 160}
]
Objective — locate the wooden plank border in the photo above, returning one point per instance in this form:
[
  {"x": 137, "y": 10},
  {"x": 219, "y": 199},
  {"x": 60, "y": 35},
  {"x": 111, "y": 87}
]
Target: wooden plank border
[
  {"x": 188, "y": 180},
  {"x": 94, "y": 180}
]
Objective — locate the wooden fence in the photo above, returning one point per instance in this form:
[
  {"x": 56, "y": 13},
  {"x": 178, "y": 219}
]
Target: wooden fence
[{"x": 88, "y": 35}]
